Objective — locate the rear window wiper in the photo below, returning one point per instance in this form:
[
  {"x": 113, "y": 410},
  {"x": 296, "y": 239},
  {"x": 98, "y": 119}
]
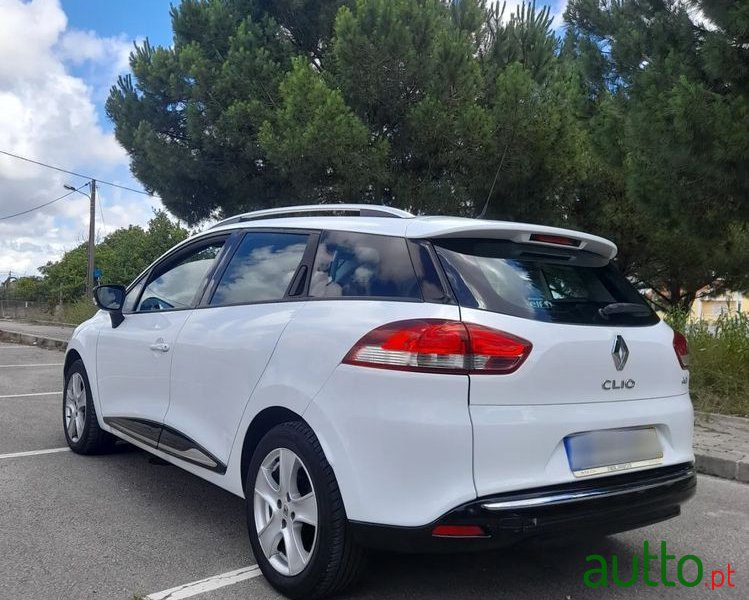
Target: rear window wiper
[{"x": 624, "y": 308}]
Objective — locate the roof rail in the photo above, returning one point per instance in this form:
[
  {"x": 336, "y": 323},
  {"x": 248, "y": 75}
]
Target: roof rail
[{"x": 364, "y": 210}]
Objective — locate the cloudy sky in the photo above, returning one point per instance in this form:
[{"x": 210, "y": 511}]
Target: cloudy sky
[{"x": 58, "y": 59}]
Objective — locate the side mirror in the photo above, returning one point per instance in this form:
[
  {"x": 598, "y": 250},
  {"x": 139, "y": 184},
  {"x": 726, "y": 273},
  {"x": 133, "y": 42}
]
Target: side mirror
[{"x": 111, "y": 298}]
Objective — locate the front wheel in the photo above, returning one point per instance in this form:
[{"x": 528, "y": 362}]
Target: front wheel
[
  {"x": 297, "y": 522},
  {"x": 82, "y": 430}
]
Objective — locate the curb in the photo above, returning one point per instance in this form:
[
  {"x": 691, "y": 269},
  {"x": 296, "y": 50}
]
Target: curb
[
  {"x": 33, "y": 340},
  {"x": 719, "y": 466},
  {"x": 726, "y": 463}
]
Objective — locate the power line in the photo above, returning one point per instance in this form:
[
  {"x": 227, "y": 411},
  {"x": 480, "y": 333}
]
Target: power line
[
  {"x": 23, "y": 212},
  {"x": 36, "y": 162}
]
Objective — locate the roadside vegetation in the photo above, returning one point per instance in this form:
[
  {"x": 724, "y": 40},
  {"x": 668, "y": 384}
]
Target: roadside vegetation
[
  {"x": 719, "y": 365},
  {"x": 57, "y": 295},
  {"x": 718, "y": 361}
]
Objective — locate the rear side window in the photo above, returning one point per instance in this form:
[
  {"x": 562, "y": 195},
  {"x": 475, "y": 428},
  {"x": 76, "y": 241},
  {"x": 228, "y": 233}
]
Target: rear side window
[
  {"x": 523, "y": 280},
  {"x": 363, "y": 265},
  {"x": 261, "y": 268}
]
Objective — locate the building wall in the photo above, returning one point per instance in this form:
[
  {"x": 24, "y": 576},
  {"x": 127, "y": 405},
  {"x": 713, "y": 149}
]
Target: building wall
[{"x": 709, "y": 309}]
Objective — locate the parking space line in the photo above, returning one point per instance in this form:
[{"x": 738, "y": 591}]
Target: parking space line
[
  {"x": 206, "y": 585},
  {"x": 34, "y": 452},
  {"x": 31, "y": 394},
  {"x": 37, "y": 365}
]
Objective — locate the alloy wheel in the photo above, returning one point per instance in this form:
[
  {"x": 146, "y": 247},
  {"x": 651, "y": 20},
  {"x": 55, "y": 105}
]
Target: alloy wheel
[
  {"x": 75, "y": 407},
  {"x": 285, "y": 509}
]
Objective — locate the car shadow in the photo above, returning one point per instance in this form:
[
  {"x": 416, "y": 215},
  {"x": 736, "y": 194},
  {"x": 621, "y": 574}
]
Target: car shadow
[{"x": 553, "y": 570}]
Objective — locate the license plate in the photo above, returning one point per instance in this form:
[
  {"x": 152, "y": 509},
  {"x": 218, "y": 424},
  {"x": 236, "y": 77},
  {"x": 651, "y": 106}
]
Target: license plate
[{"x": 612, "y": 450}]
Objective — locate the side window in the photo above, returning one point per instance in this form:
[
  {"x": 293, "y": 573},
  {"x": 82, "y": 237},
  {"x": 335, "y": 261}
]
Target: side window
[
  {"x": 176, "y": 284},
  {"x": 261, "y": 269},
  {"x": 363, "y": 265},
  {"x": 133, "y": 295}
]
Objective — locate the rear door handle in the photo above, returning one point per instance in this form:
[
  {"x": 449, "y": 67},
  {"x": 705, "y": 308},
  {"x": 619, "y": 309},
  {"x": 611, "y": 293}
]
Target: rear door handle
[{"x": 160, "y": 347}]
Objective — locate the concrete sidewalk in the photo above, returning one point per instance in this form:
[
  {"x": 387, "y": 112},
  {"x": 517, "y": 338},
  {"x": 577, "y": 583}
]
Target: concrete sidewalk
[
  {"x": 32, "y": 334},
  {"x": 721, "y": 443},
  {"x": 721, "y": 446}
]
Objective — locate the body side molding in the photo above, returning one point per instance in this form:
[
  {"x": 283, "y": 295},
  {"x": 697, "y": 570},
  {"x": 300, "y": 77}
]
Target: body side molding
[{"x": 167, "y": 440}]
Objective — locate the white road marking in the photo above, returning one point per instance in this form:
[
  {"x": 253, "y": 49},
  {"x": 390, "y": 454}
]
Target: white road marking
[
  {"x": 206, "y": 585},
  {"x": 34, "y": 452},
  {"x": 38, "y": 365},
  {"x": 32, "y": 394}
]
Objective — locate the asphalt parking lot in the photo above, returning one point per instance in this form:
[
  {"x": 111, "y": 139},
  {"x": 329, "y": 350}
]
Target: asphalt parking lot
[{"x": 123, "y": 525}]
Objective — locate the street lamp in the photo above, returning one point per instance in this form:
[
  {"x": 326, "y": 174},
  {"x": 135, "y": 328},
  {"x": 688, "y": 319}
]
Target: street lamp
[{"x": 91, "y": 232}]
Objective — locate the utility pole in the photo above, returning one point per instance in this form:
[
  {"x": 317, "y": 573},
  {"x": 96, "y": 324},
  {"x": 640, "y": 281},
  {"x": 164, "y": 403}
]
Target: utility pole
[{"x": 91, "y": 240}]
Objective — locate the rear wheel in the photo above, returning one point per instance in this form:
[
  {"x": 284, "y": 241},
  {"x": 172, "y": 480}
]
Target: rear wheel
[
  {"x": 297, "y": 522},
  {"x": 82, "y": 430}
]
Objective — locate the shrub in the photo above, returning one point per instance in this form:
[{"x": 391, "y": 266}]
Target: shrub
[
  {"x": 77, "y": 312},
  {"x": 719, "y": 364}
]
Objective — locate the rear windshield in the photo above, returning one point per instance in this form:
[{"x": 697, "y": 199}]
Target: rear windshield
[{"x": 525, "y": 280}]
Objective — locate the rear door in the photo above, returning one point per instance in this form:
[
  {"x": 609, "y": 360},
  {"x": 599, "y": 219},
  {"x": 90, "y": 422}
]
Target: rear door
[
  {"x": 227, "y": 342},
  {"x": 557, "y": 299}
]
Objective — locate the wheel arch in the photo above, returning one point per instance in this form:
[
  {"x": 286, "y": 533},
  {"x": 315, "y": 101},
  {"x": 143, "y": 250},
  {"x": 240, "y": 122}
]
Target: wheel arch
[
  {"x": 71, "y": 356},
  {"x": 261, "y": 424}
]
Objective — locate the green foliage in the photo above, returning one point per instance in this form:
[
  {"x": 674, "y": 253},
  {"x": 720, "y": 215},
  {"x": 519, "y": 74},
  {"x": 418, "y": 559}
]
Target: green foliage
[
  {"x": 121, "y": 256},
  {"x": 431, "y": 105},
  {"x": 75, "y": 313},
  {"x": 677, "y": 318},
  {"x": 633, "y": 125},
  {"x": 718, "y": 357},
  {"x": 317, "y": 141},
  {"x": 669, "y": 131},
  {"x": 29, "y": 287}
]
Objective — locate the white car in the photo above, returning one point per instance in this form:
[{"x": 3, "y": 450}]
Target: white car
[{"x": 369, "y": 378}]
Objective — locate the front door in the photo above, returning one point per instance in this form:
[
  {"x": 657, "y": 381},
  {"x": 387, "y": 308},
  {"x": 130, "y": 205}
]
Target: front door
[{"x": 134, "y": 359}]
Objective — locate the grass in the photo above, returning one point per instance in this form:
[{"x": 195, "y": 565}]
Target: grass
[
  {"x": 77, "y": 312},
  {"x": 719, "y": 365}
]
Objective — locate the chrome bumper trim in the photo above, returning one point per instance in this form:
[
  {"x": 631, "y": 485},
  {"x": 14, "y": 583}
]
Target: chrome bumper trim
[{"x": 582, "y": 495}]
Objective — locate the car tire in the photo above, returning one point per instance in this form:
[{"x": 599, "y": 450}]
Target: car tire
[
  {"x": 333, "y": 559},
  {"x": 82, "y": 431}
]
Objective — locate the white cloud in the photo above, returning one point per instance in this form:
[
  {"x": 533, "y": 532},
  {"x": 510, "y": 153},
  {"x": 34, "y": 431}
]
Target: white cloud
[
  {"x": 78, "y": 47},
  {"x": 48, "y": 114}
]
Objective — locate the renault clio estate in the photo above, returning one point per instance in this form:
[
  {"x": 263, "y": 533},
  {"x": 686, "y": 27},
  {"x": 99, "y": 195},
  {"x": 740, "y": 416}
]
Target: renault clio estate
[{"x": 367, "y": 378}]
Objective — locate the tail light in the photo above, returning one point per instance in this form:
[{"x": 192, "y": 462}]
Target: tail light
[
  {"x": 682, "y": 349},
  {"x": 439, "y": 346}
]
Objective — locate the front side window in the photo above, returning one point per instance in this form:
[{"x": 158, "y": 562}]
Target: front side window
[
  {"x": 176, "y": 284},
  {"x": 363, "y": 265},
  {"x": 261, "y": 269}
]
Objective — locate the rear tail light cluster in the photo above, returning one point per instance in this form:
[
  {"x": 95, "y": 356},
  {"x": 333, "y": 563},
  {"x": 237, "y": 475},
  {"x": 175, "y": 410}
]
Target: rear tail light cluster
[
  {"x": 439, "y": 346},
  {"x": 682, "y": 349}
]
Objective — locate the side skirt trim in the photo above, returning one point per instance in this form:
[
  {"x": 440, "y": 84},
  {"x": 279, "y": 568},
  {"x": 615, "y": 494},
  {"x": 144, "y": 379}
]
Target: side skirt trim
[{"x": 166, "y": 439}]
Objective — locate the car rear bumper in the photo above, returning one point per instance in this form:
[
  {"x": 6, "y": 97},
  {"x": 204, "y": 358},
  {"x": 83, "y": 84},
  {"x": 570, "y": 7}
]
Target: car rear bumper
[{"x": 601, "y": 505}]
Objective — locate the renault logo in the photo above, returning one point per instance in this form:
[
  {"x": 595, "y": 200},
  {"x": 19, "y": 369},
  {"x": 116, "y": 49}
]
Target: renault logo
[{"x": 620, "y": 353}]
